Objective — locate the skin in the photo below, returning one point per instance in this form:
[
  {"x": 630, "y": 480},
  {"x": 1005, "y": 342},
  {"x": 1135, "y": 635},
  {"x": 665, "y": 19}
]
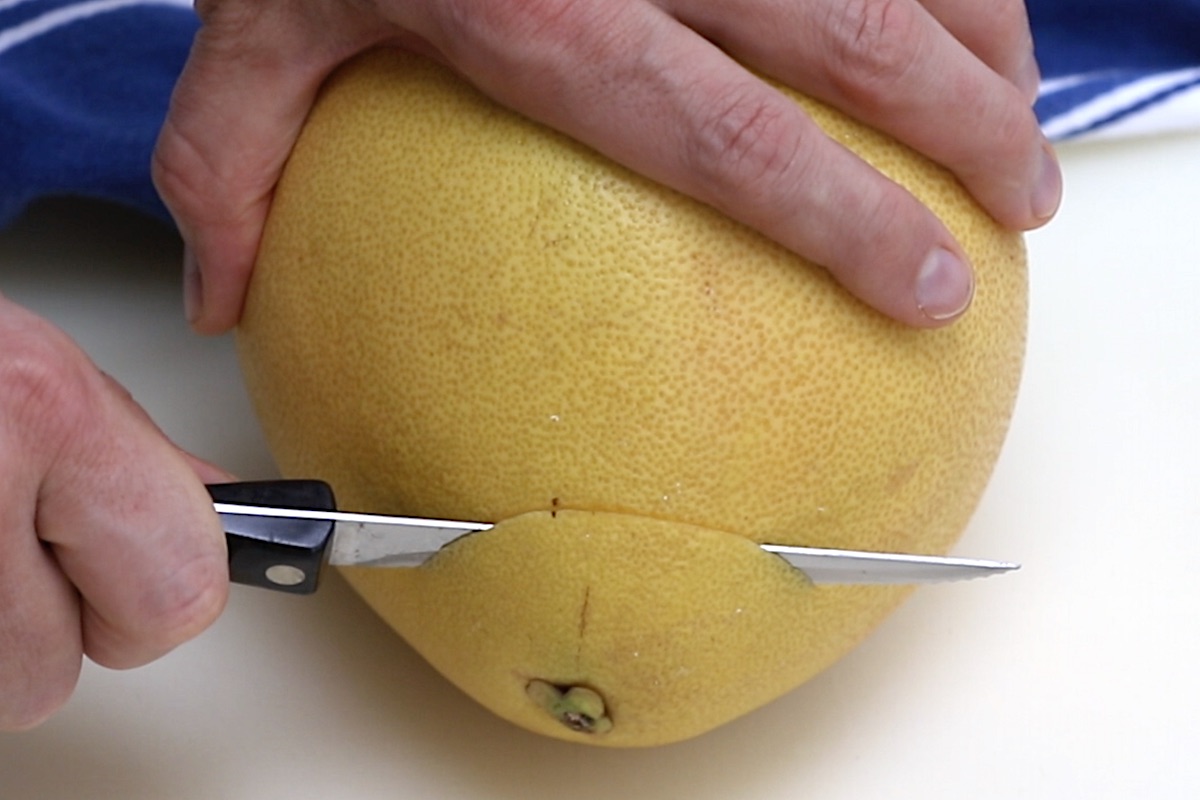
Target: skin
[
  {"x": 107, "y": 546},
  {"x": 123, "y": 574}
]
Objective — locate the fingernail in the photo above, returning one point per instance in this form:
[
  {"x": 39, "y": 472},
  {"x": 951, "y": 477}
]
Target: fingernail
[
  {"x": 945, "y": 285},
  {"x": 1047, "y": 192},
  {"x": 193, "y": 289}
]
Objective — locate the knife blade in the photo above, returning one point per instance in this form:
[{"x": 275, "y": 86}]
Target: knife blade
[{"x": 281, "y": 533}]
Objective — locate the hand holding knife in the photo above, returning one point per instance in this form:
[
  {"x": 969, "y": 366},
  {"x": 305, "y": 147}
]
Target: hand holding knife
[{"x": 281, "y": 533}]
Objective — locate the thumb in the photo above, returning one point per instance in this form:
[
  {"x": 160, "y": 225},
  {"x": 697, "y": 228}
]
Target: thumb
[
  {"x": 216, "y": 162},
  {"x": 235, "y": 114}
]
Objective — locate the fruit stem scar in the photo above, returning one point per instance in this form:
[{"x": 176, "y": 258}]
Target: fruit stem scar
[{"x": 580, "y": 708}]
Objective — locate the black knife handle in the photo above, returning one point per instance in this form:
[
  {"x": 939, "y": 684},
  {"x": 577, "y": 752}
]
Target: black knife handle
[{"x": 278, "y": 553}]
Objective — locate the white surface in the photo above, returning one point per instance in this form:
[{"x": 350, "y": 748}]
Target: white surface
[{"x": 1075, "y": 677}]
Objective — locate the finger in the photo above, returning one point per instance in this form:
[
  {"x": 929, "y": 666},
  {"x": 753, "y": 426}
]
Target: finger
[
  {"x": 204, "y": 470},
  {"x": 998, "y": 34},
  {"x": 121, "y": 510},
  {"x": 687, "y": 115},
  {"x": 215, "y": 166},
  {"x": 235, "y": 114},
  {"x": 41, "y": 648},
  {"x": 135, "y": 531},
  {"x": 40, "y": 643},
  {"x": 891, "y": 64}
]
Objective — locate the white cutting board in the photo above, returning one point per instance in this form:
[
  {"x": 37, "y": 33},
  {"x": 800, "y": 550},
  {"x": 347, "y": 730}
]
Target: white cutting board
[{"x": 1075, "y": 677}]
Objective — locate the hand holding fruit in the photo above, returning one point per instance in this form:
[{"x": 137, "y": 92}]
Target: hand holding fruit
[{"x": 660, "y": 87}]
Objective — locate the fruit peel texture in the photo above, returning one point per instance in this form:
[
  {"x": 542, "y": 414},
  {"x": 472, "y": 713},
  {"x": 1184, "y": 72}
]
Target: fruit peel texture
[
  {"x": 695, "y": 632},
  {"x": 458, "y": 313}
]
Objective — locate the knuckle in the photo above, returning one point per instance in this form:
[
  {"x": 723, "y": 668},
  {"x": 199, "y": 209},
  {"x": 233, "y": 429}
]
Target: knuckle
[
  {"x": 523, "y": 40},
  {"x": 519, "y": 18},
  {"x": 173, "y": 168},
  {"x": 195, "y": 596},
  {"x": 201, "y": 184},
  {"x": 171, "y": 612},
  {"x": 477, "y": 23},
  {"x": 181, "y": 605},
  {"x": 1012, "y": 136},
  {"x": 875, "y": 44},
  {"x": 743, "y": 147},
  {"x": 46, "y": 388},
  {"x": 1014, "y": 129}
]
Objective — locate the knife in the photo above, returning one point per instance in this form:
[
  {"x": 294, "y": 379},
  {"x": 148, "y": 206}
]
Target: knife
[{"x": 281, "y": 533}]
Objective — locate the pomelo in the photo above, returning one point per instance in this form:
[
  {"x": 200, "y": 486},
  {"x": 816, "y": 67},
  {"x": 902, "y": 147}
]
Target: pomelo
[{"x": 460, "y": 313}]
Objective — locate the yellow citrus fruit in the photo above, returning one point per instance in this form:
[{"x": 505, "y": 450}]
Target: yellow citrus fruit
[{"x": 459, "y": 313}]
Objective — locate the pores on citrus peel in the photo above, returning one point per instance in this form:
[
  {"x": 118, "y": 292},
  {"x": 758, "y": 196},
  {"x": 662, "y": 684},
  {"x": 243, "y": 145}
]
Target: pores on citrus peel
[{"x": 459, "y": 313}]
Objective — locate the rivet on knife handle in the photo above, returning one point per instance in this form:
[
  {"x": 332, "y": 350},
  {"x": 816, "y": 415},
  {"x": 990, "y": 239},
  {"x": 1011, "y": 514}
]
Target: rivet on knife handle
[{"x": 285, "y": 555}]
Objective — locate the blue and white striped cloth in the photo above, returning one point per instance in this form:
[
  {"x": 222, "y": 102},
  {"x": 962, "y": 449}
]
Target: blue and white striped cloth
[
  {"x": 1117, "y": 67},
  {"x": 84, "y": 84}
]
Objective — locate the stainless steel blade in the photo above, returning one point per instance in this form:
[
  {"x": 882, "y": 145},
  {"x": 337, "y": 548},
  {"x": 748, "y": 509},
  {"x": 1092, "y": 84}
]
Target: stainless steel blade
[
  {"x": 397, "y": 542},
  {"x": 371, "y": 540},
  {"x": 376, "y": 540},
  {"x": 823, "y": 565}
]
